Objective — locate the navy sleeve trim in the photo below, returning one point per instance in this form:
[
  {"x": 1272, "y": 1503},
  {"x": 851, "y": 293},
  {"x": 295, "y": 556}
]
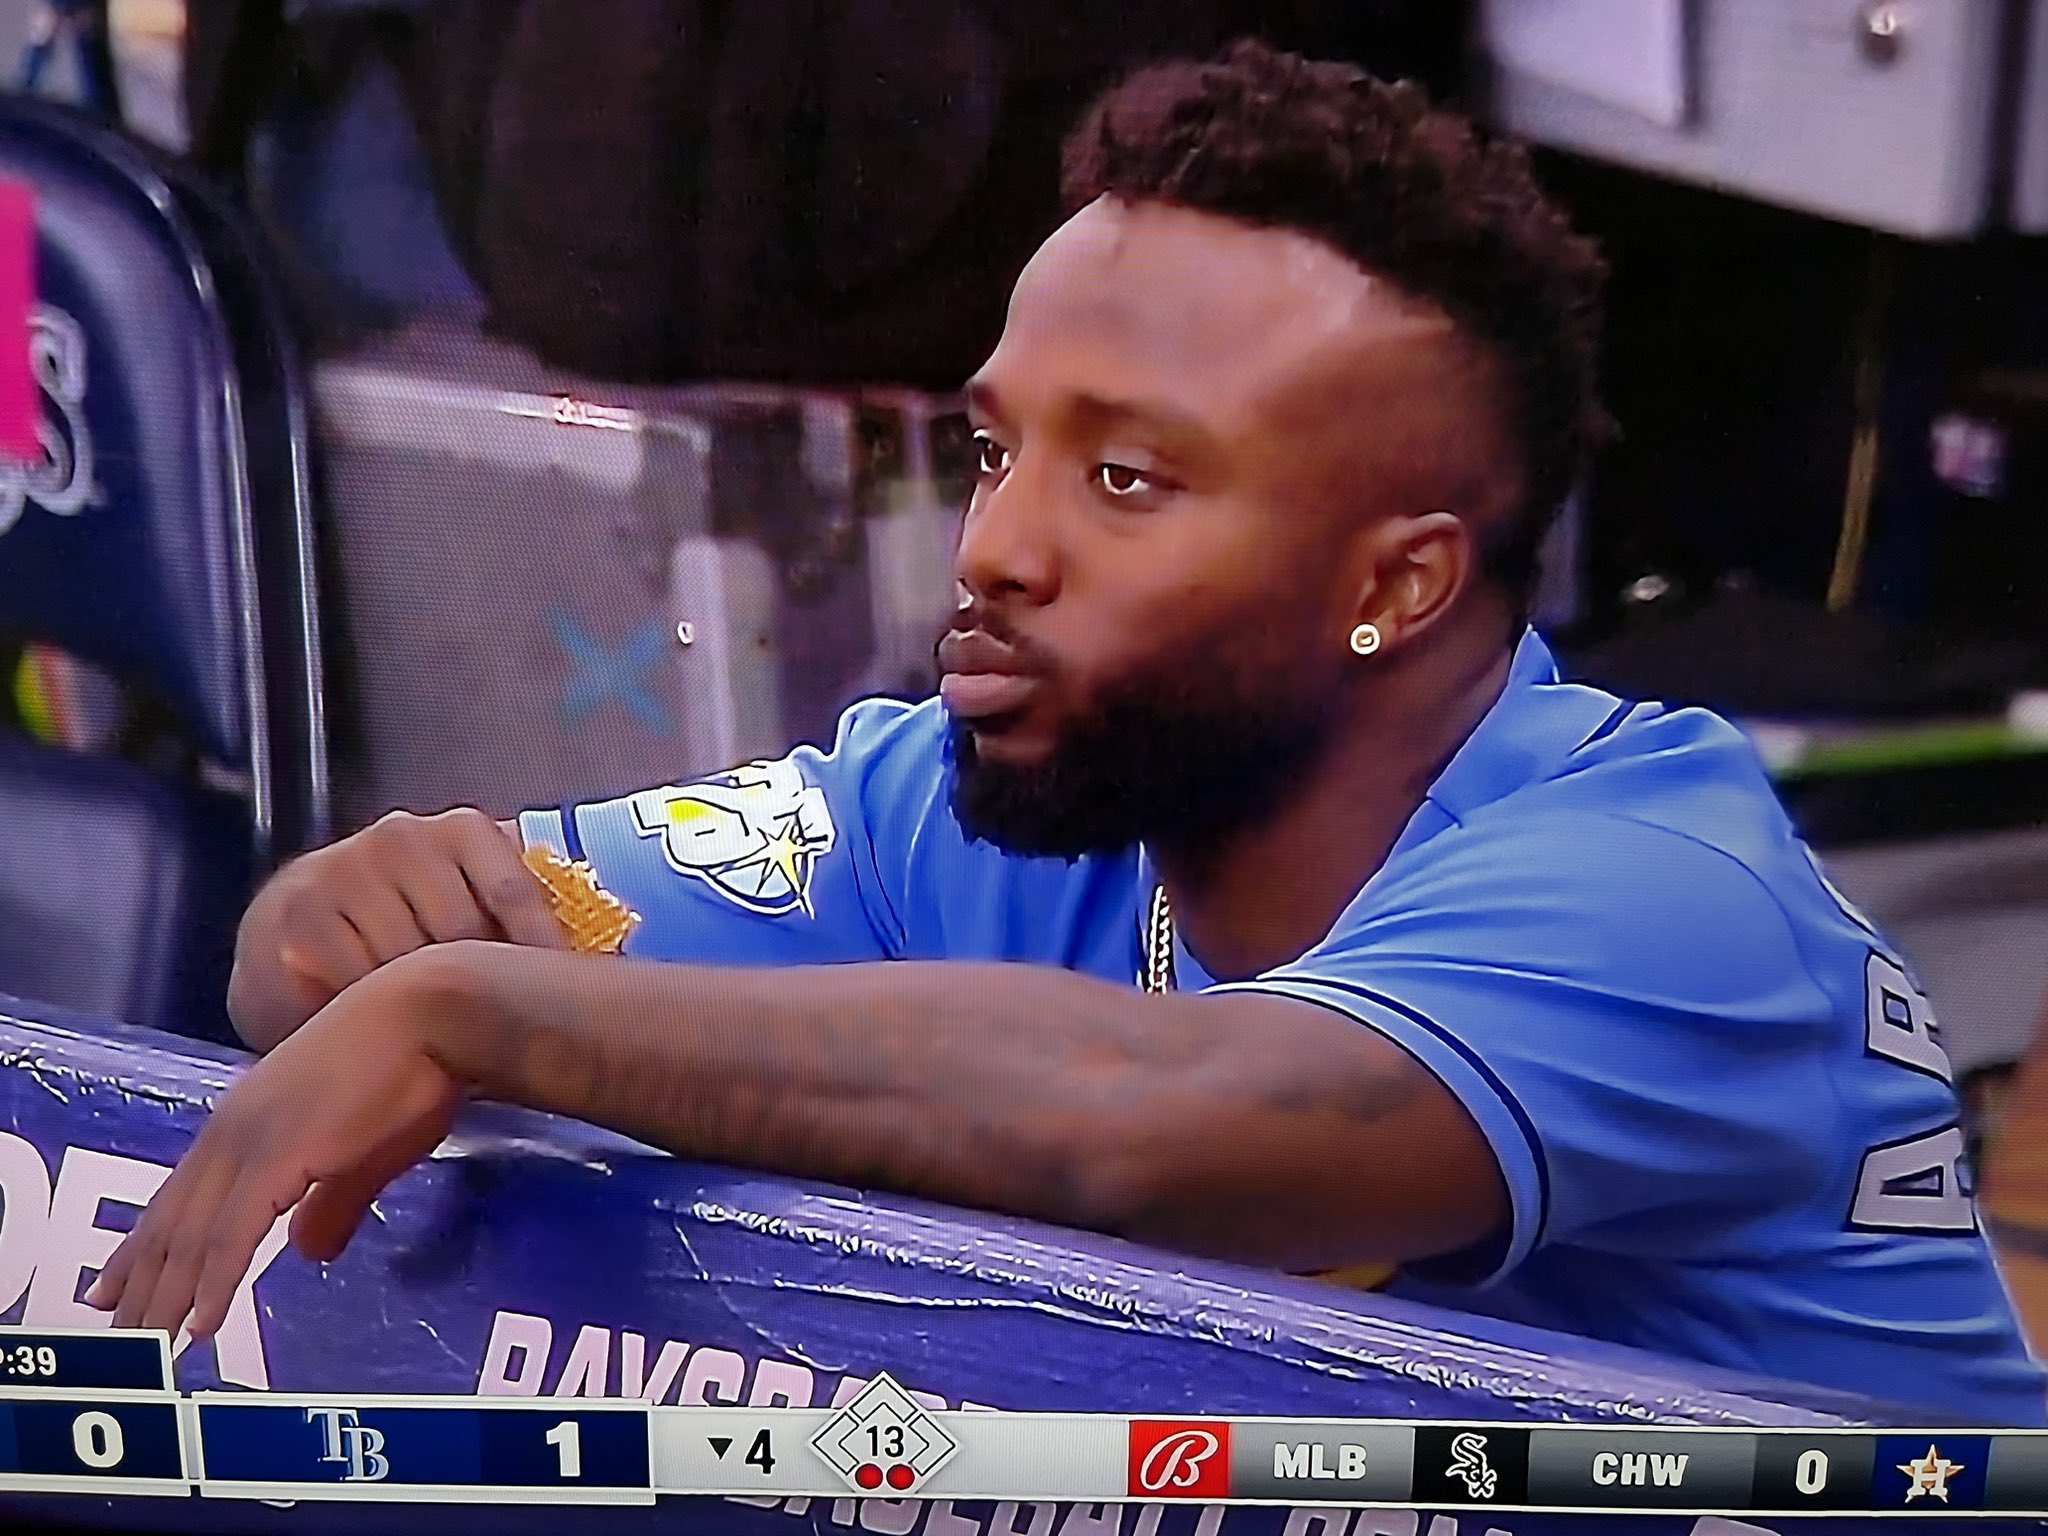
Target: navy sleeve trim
[
  {"x": 1478, "y": 1065},
  {"x": 572, "y": 839},
  {"x": 1606, "y": 727}
]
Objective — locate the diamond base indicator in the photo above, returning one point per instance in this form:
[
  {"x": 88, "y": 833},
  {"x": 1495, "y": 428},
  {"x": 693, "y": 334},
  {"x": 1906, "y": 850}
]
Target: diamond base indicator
[{"x": 884, "y": 1441}]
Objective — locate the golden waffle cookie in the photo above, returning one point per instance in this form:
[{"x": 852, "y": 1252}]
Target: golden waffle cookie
[
  {"x": 1358, "y": 1277},
  {"x": 597, "y": 922}
]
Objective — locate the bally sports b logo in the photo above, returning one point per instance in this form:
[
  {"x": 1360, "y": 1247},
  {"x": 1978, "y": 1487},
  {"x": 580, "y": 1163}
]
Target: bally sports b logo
[{"x": 1172, "y": 1460}]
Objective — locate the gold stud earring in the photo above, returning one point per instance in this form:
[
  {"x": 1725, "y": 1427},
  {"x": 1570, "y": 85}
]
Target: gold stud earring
[{"x": 1365, "y": 639}]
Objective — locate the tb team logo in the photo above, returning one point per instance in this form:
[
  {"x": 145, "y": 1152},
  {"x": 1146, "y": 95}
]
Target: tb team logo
[
  {"x": 354, "y": 1446},
  {"x": 753, "y": 835},
  {"x": 1179, "y": 1461}
]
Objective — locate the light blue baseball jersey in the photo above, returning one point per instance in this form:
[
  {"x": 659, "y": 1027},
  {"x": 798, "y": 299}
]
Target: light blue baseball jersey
[{"x": 1718, "y": 1099}]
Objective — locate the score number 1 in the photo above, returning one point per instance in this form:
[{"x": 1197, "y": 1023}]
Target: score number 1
[{"x": 567, "y": 1439}]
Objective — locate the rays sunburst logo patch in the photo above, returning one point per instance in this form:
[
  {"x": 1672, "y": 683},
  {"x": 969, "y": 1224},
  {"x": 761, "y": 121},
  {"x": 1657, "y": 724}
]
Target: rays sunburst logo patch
[{"x": 753, "y": 835}]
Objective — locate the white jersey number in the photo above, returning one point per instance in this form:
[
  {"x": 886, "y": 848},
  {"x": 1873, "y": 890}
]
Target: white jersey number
[
  {"x": 1921, "y": 1184},
  {"x": 1897, "y": 1023}
]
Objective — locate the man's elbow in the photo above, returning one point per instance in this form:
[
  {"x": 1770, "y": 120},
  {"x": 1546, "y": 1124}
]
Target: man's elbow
[
  {"x": 1290, "y": 1193},
  {"x": 1151, "y": 1180},
  {"x": 1180, "y": 1210},
  {"x": 1105, "y": 1192}
]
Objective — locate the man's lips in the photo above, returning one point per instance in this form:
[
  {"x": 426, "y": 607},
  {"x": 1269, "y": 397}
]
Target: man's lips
[
  {"x": 978, "y": 695},
  {"x": 981, "y": 676}
]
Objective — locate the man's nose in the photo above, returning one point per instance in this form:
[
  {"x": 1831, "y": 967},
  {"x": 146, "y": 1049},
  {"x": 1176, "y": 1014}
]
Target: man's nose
[{"x": 1009, "y": 541}]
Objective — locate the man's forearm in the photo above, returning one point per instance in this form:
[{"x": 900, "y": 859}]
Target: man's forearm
[
  {"x": 1253, "y": 1128},
  {"x": 1001, "y": 1086}
]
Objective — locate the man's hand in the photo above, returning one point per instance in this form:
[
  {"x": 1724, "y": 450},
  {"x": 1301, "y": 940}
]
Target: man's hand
[
  {"x": 323, "y": 1123},
  {"x": 336, "y": 914}
]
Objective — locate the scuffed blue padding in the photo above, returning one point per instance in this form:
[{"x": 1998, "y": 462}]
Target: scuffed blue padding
[{"x": 601, "y": 1258}]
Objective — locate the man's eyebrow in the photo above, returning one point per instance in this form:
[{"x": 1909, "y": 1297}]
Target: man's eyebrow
[
  {"x": 1172, "y": 421},
  {"x": 1101, "y": 411}
]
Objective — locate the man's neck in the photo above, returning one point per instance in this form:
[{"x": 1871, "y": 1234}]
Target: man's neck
[{"x": 1269, "y": 894}]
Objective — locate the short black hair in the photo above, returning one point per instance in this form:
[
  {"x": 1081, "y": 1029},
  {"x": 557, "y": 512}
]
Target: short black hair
[{"x": 1410, "y": 193}]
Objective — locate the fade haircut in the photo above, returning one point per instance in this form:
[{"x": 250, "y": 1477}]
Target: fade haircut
[{"x": 1408, "y": 192}]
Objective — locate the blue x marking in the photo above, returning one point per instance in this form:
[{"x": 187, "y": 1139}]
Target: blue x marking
[{"x": 600, "y": 674}]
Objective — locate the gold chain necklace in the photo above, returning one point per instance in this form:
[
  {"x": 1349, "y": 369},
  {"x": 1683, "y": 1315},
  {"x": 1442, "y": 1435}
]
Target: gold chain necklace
[{"x": 1158, "y": 975}]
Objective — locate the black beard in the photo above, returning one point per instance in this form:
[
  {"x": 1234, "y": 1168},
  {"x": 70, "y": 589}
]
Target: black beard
[{"x": 1172, "y": 762}]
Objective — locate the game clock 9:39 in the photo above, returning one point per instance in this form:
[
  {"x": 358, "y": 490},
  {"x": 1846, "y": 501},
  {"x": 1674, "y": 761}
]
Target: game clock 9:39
[{"x": 28, "y": 1362}]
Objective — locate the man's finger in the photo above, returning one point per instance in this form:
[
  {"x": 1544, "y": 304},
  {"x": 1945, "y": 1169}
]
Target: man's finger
[
  {"x": 330, "y": 1212},
  {"x": 506, "y": 888},
  {"x": 129, "y": 1278},
  {"x": 140, "y": 1259},
  {"x": 258, "y": 1198},
  {"x": 328, "y": 1217},
  {"x": 329, "y": 956},
  {"x": 105, "y": 1290},
  {"x": 170, "y": 1230},
  {"x": 170, "y": 1294},
  {"x": 380, "y": 914},
  {"x": 444, "y": 905},
  {"x": 118, "y": 1276}
]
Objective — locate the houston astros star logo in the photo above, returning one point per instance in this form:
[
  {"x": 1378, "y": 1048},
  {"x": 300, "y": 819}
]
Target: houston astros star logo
[{"x": 1928, "y": 1475}]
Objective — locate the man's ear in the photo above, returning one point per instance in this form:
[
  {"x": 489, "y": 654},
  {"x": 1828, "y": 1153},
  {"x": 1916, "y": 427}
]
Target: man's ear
[{"x": 1421, "y": 564}]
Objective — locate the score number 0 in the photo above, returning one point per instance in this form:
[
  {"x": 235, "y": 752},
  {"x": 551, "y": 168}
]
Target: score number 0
[
  {"x": 1810, "y": 1472},
  {"x": 96, "y": 1440}
]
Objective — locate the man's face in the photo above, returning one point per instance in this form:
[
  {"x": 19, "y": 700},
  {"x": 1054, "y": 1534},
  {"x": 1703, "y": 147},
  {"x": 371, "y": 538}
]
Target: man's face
[{"x": 1187, "y": 434}]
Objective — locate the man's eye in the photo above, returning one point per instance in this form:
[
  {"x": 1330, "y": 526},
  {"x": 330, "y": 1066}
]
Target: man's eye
[
  {"x": 1121, "y": 480},
  {"x": 990, "y": 456}
]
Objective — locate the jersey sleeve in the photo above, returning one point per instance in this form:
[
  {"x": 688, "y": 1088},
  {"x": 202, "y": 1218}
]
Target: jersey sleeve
[
  {"x": 1623, "y": 1011},
  {"x": 785, "y": 862}
]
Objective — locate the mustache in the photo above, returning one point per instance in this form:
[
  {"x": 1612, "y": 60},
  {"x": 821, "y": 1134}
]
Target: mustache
[{"x": 971, "y": 616}]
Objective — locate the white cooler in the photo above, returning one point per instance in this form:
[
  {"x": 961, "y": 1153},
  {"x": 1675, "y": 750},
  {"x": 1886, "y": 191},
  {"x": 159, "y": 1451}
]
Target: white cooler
[{"x": 554, "y": 589}]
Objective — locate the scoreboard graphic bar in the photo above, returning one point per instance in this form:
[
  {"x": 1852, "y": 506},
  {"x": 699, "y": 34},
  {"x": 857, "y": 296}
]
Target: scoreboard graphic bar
[
  {"x": 90, "y": 1410},
  {"x": 95, "y": 1413},
  {"x": 102, "y": 1444},
  {"x": 463, "y": 1450},
  {"x": 770, "y": 1452},
  {"x": 84, "y": 1360}
]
